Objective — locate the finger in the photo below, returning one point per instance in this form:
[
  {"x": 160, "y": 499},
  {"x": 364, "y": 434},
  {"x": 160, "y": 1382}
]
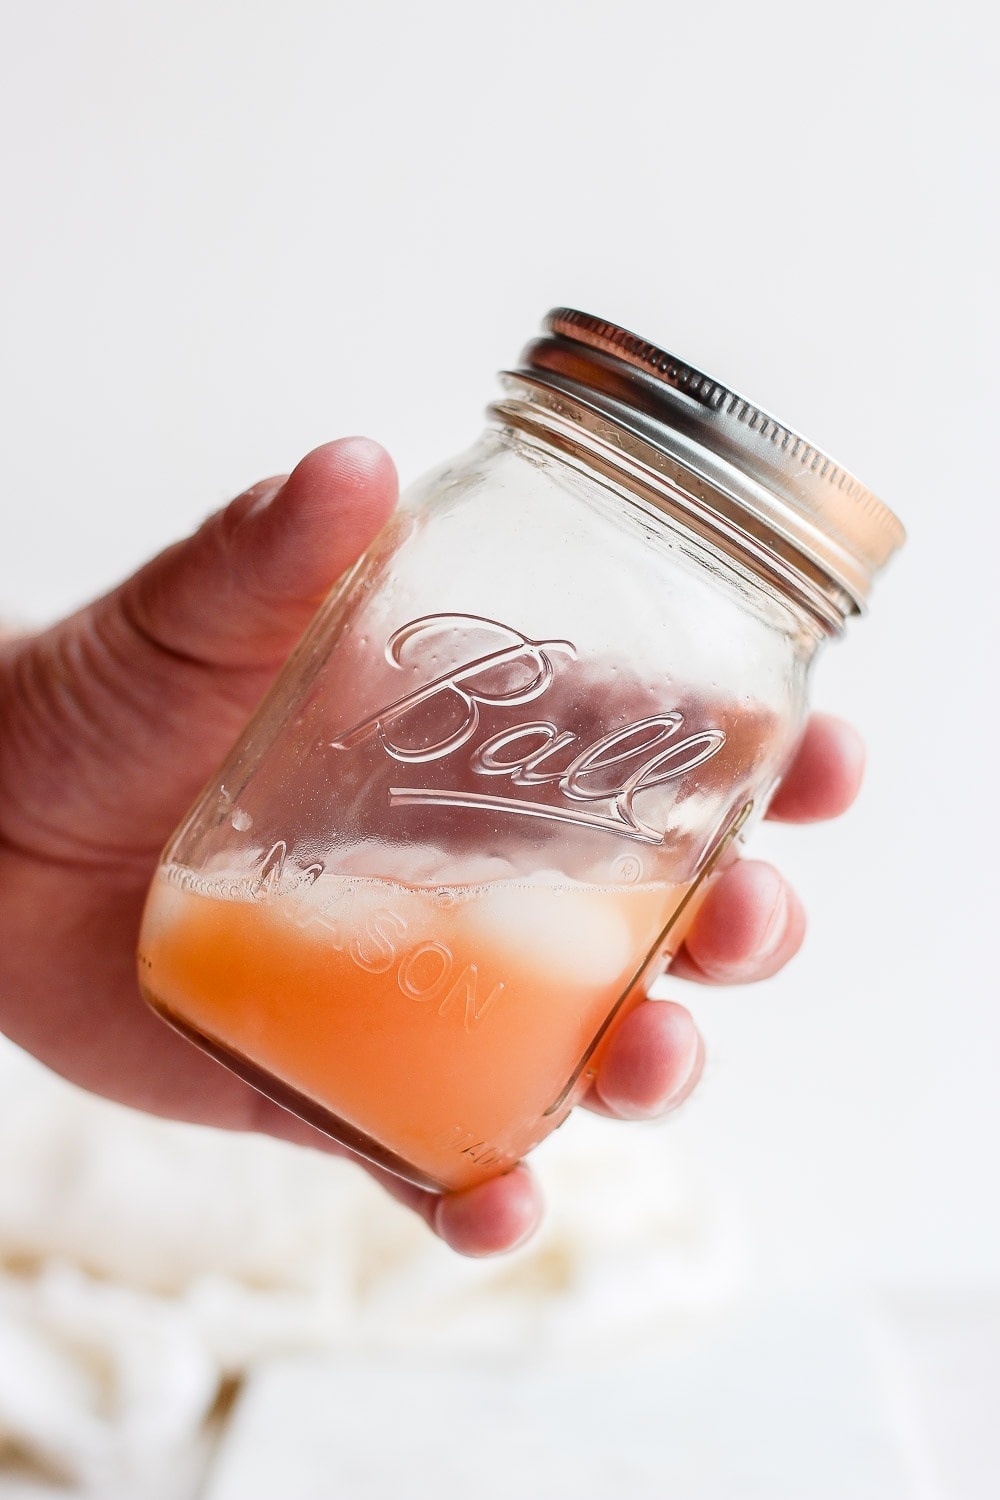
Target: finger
[
  {"x": 130, "y": 702},
  {"x": 748, "y": 927},
  {"x": 653, "y": 1061},
  {"x": 824, "y": 777},
  {"x": 241, "y": 590},
  {"x": 492, "y": 1217},
  {"x": 487, "y": 1219}
]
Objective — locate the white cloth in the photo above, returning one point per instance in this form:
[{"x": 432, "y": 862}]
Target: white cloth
[{"x": 143, "y": 1263}]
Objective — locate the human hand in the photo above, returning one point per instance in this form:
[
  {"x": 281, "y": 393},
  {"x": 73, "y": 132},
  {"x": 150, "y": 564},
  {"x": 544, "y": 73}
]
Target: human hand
[{"x": 111, "y": 721}]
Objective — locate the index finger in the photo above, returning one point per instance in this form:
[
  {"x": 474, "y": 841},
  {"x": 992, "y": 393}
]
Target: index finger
[{"x": 823, "y": 779}]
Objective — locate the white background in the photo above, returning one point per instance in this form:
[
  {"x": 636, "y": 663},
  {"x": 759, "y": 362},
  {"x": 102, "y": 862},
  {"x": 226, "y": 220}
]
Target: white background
[{"x": 236, "y": 229}]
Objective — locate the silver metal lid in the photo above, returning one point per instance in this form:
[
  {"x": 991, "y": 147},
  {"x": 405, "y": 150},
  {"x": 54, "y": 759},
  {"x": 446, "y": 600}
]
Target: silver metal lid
[{"x": 744, "y": 472}]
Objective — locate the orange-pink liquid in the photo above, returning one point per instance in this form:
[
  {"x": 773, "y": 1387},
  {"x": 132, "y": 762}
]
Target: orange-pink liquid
[{"x": 438, "y": 1026}]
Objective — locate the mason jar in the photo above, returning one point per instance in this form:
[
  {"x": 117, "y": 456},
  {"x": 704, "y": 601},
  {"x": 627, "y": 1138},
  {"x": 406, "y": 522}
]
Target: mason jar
[{"x": 477, "y": 812}]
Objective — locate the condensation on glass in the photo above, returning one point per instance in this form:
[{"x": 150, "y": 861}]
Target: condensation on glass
[{"x": 475, "y": 814}]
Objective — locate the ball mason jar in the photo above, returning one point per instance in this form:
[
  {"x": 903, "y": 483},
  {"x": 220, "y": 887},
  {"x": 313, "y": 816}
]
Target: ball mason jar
[{"x": 478, "y": 809}]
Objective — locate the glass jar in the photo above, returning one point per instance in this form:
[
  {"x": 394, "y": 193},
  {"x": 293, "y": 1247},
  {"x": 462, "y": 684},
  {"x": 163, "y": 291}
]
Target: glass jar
[{"x": 479, "y": 808}]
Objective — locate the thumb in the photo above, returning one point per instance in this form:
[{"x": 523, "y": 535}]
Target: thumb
[
  {"x": 242, "y": 589},
  {"x": 114, "y": 718}
]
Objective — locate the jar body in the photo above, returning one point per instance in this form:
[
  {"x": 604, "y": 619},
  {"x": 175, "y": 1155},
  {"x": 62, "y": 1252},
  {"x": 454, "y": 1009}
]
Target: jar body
[{"x": 476, "y": 813}]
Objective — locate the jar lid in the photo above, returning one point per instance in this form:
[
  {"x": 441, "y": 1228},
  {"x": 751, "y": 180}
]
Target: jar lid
[{"x": 756, "y": 475}]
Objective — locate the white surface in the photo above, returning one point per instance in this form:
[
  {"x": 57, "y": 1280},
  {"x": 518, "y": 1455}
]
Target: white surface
[
  {"x": 890, "y": 1399},
  {"x": 897, "y": 1399},
  {"x": 940, "y": 1365},
  {"x": 788, "y": 1399},
  {"x": 780, "y": 1406}
]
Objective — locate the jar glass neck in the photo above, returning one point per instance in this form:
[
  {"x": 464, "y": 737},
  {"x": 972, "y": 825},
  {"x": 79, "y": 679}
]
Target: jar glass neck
[
  {"x": 634, "y": 469},
  {"x": 657, "y": 528}
]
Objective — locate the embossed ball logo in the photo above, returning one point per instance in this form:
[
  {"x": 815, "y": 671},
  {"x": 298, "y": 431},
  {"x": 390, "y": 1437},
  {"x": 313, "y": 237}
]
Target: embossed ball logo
[{"x": 613, "y": 770}]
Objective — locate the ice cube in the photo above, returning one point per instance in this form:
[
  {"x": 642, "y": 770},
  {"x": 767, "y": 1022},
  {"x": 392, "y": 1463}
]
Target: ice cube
[{"x": 572, "y": 935}]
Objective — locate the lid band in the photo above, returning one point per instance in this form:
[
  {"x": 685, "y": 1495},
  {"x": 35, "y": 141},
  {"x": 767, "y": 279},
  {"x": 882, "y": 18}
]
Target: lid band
[{"x": 788, "y": 489}]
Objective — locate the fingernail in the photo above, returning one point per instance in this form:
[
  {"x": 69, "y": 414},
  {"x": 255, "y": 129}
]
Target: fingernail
[
  {"x": 764, "y": 898},
  {"x": 676, "y": 1096},
  {"x": 777, "y": 920},
  {"x": 262, "y": 495},
  {"x": 684, "y": 1074}
]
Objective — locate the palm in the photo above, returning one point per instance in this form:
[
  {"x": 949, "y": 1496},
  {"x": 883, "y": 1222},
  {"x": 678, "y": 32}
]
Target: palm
[{"x": 112, "y": 722}]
